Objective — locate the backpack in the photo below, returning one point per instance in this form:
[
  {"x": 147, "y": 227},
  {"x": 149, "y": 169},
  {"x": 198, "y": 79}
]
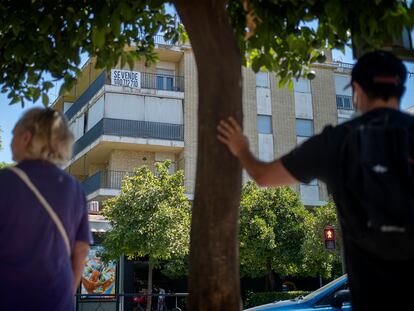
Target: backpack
[{"x": 377, "y": 187}]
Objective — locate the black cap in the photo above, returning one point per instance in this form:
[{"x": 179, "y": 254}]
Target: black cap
[{"x": 379, "y": 69}]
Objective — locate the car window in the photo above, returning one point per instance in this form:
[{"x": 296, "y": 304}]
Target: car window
[
  {"x": 316, "y": 292},
  {"x": 326, "y": 301}
]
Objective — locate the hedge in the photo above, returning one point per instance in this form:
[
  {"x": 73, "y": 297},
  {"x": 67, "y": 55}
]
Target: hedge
[{"x": 257, "y": 299}]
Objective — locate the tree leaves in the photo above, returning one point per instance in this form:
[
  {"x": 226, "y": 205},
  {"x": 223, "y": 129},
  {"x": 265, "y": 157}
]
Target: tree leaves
[
  {"x": 294, "y": 32},
  {"x": 270, "y": 229},
  {"x": 150, "y": 217},
  {"x": 275, "y": 227},
  {"x": 54, "y": 35}
]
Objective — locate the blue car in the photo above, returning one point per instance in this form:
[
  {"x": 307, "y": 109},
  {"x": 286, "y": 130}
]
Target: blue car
[{"x": 333, "y": 296}]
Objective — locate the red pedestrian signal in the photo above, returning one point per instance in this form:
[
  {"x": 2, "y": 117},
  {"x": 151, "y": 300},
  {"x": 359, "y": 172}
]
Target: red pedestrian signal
[{"x": 329, "y": 233}]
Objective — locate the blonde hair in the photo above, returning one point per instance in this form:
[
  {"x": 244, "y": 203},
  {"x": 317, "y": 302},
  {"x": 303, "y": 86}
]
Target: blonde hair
[{"x": 51, "y": 138}]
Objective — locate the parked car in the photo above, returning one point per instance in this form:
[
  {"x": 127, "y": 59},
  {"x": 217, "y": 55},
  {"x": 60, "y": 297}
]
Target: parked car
[{"x": 333, "y": 296}]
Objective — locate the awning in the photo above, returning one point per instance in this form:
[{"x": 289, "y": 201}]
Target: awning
[{"x": 98, "y": 223}]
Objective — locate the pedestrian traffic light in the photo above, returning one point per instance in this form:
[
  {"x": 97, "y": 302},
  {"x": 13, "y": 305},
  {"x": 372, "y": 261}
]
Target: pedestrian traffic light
[{"x": 329, "y": 233}]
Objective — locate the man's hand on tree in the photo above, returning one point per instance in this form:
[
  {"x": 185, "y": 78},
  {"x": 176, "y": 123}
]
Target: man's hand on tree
[{"x": 231, "y": 134}]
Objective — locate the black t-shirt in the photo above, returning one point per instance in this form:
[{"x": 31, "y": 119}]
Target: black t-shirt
[
  {"x": 319, "y": 156},
  {"x": 370, "y": 277}
]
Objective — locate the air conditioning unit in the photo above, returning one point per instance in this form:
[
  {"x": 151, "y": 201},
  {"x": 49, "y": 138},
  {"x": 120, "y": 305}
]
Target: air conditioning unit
[{"x": 93, "y": 207}]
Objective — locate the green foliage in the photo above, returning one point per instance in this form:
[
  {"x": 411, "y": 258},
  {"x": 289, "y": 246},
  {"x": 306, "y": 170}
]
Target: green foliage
[
  {"x": 283, "y": 40},
  {"x": 316, "y": 259},
  {"x": 256, "y": 299},
  {"x": 175, "y": 267},
  {"x": 271, "y": 230},
  {"x": 150, "y": 217},
  {"x": 277, "y": 231},
  {"x": 3, "y": 165},
  {"x": 52, "y": 35}
]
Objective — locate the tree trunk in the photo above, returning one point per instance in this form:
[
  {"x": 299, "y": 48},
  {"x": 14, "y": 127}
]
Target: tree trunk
[
  {"x": 270, "y": 277},
  {"x": 214, "y": 281},
  {"x": 149, "y": 287}
]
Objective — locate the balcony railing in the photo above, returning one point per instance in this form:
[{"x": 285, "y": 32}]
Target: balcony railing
[
  {"x": 162, "y": 82},
  {"x": 129, "y": 128},
  {"x": 104, "y": 180},
  {"x": 343, "y": 65},
  {"x": 92, "y": 183},
  {"x": 86, "y": 95},
  {"x": 158, "y": 39},
  {"x": 152, "y": 81},
  {"x": 344, "y": 102}
]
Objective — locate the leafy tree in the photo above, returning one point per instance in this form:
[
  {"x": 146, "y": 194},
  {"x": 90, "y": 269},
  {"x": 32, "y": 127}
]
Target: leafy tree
[
  {"x": 316, "y": 259},
  {"x": 271, "y": 231},
  {"x": 53, "y": 34},
  {"x": 3, "y": 165},
  {"x": 149, "y": 218}
]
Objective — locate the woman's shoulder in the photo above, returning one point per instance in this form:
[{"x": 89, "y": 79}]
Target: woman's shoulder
[
  {"x": 46, "y": 173},
  {"x": 70, "y": 179},
  {"x": 5, "y": 174},
  {"x": 9, "y": 182}
]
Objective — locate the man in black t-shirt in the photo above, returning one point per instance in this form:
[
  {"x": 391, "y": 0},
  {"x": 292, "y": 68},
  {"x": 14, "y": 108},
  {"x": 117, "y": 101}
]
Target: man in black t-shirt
[{"x": 378, "y": 85}]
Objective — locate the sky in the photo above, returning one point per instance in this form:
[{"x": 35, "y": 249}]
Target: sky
[{"x": 10, "y": 114}]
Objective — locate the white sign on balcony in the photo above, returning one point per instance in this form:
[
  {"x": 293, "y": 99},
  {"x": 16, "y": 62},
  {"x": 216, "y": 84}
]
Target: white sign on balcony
[{"x": 126, "y": 78}]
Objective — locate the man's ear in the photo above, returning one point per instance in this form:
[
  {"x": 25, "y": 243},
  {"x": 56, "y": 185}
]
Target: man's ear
[{"x": 356, "y": 87}]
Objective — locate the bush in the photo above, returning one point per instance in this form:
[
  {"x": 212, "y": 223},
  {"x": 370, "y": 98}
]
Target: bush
[{"x": 257, "y": 299}]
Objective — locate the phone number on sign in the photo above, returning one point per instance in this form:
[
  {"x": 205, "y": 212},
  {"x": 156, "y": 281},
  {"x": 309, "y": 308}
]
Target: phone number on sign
[{"x": 125, "y": 82}]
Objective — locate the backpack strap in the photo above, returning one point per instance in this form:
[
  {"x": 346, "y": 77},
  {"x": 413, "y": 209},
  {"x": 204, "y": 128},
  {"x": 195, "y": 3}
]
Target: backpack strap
[{"x": 23, "y": 176}]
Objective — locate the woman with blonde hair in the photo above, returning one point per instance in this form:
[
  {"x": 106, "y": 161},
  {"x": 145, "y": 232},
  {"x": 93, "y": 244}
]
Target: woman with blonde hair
[{"x": 44, "y": 230}]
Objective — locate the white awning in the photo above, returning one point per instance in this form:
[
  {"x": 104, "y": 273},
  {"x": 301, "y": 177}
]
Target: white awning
[{"x": 98, "y": 223}]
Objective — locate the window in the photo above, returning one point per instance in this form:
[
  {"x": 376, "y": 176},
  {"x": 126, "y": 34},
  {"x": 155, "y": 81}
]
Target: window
[
  {"x": 85, "y": 122},
  {"x": 262, "y": 79},
  {"x": 301, "y": 85},
  {"x": 165, "y": 79},
  {"x": 344, "y": 102},
  {"x": 326, "y": 301},
  {"x": 341, "y": 83},
  {"x": 304, "y": 128},
  {"x": 264, "y": 124}
]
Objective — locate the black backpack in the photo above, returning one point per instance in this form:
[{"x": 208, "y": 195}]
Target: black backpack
[{"x": 377, "y": 187}]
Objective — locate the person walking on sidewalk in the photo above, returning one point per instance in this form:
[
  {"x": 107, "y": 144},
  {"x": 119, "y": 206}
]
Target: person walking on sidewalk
[{"x": 367, "y": 164}]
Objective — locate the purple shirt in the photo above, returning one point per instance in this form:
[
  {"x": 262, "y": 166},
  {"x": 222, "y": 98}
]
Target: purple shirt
[{"x": 35, "y": 268}]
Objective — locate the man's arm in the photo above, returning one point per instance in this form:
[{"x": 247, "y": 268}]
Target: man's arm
[
  {"x": 265, "y": 174},
  {"x": 79, "y": 253}
]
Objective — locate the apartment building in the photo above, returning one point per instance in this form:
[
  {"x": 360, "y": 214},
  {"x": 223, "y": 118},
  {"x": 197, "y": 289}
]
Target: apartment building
[{"x": 125, "y": 118}]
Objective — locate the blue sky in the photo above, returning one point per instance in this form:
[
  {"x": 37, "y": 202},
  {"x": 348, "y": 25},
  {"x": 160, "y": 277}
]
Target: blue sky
[{"x": 10, "y": 114}]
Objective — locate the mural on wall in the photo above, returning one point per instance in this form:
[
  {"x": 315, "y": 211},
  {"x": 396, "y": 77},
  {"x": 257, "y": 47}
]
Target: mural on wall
[{"x": 98, "y": 277}]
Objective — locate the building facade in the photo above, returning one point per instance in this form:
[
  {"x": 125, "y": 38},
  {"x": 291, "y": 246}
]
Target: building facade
[{"x": 127, "y": 118}]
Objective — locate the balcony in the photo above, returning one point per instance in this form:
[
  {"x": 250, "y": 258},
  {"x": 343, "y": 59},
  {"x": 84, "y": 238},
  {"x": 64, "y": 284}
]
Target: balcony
[
  {"x": 344, "y": 102},
  {"x": 130, "y": 128},
  {"x": 343, "y": 65},
  {"x": 151, "y": 81},
  {"x": 162, "y": 82},
  {"x": 104, "y": 180},
  {"x": 158, "y": 39},
  {"x": 86, "y": 96}
]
